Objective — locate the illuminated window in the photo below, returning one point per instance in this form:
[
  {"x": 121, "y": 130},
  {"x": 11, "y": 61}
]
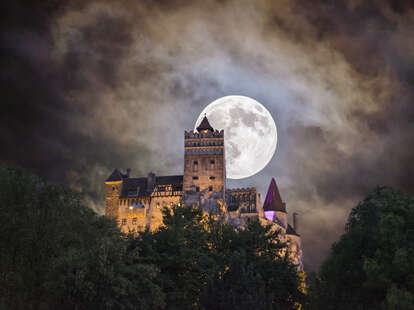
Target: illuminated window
[
  {"x": 124, "y": 221},
  {"x": 134, "y": 221}
]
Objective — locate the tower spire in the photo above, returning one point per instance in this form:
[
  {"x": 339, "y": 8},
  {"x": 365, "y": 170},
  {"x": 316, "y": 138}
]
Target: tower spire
[
  {"x": 205, "y": 126},
  {"x": 273, "y": 201}
]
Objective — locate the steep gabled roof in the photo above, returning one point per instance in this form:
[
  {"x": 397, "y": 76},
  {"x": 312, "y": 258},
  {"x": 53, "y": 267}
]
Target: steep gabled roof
[
  {"x": 273, "y": 201},
  {"x": 204, "y": 125},
  {"x": 291, "y": 231},
  {"x": 116, "y": 175}
]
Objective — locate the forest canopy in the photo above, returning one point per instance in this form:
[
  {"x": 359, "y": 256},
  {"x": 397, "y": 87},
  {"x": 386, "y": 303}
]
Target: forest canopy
[{"x": 371, "y": 266}]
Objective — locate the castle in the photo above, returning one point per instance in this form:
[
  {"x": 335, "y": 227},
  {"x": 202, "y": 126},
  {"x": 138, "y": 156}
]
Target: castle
[{"x": 137, "y": 203}]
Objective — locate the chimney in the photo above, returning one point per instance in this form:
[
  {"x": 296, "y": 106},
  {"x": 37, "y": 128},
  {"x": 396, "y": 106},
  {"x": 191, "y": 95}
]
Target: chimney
[
  {"x": 295, "y": 221},
  {"x": 128, "y": 172},
  {"x": 150, "y": 181}
]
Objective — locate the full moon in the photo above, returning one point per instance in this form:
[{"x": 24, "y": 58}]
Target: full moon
[{"x": 250, "y": 135}]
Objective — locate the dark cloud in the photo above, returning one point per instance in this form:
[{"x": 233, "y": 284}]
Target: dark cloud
[{"x": 92, "y": 85}]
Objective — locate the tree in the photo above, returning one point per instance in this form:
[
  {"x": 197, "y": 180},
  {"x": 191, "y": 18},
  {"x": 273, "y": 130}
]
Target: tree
[
  {"x": 180, "y": 249},
  {"x": 371, "y": 266},
  {"x": 208, "y": 264},
  {"x": 56, "y": 253},
  {"x": 252, "y": 269}
]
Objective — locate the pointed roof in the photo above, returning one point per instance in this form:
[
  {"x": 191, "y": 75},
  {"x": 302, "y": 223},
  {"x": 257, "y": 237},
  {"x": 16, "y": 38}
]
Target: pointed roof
[
  {"x": 115, "y": 176},
  {"x": 291, "y": 231},
  {"x": 273, "y": 201},
  {"x": 205, "y": 125}
]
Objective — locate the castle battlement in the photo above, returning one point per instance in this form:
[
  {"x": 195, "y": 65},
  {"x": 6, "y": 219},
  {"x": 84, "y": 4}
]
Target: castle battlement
[
  {"x": 242, "y": 189},
  {"x": 208, "y": 134}
]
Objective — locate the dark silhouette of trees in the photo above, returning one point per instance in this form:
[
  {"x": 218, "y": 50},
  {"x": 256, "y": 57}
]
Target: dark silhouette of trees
[
  {"x": 55, "y": 253},
  {"x": 207, "y": 264},
  {"x": 372, "y": 265}
]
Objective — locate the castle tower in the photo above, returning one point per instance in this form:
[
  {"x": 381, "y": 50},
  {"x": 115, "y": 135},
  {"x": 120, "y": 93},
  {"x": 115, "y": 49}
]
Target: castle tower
[
  {"x": 204, "y": 160},
  {"x": 274, "y": 208},
  {"x": 113, "y": 191}
]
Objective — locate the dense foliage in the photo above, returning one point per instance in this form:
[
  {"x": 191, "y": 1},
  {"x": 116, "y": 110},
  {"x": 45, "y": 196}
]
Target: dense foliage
[
  {"x": 55, "y": 253},
  {"x": 372, "y": 265}
]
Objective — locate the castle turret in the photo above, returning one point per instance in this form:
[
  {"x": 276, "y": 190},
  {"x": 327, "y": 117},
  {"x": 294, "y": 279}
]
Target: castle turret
[
  {"x": 274, "y": 208},
  {"x": 113, "y": 190}
]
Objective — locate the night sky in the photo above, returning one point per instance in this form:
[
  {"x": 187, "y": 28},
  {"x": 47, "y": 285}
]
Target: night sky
[{"x": 88, "y": 86}]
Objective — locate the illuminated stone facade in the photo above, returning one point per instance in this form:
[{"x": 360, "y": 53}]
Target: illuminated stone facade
[{"x": 137, "y": 203}]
